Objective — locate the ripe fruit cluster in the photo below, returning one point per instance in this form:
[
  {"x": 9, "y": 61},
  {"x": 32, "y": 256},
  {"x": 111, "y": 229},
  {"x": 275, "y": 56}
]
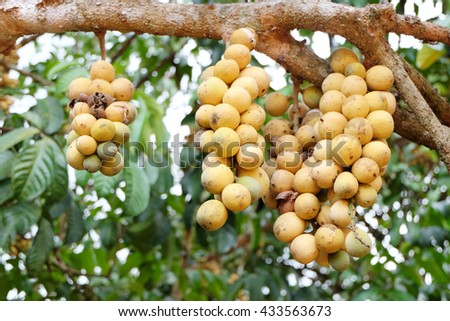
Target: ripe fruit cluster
[
  {"x": 229, "y": 121},
  {"x": 333, "y": 161},
  {"x": 5, "y": 82},
  {"x": 100, "y": 110}
]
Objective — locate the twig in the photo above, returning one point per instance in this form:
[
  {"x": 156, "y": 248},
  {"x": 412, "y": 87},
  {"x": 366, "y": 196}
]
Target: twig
[
  {"x": 33, "y": 76},
  {"x": 27, "y": 40},
  {"x": 124, "y": 47}
]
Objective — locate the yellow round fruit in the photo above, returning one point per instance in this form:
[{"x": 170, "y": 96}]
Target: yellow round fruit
[
  {"x": 340, "y": 58},
  {"x": 113, "y": 166},
  {"x": 122, "y": 133},
  {"x": 123, "y": 89},
  {"x": 107, "y": 150},
  {"x": 236, "y": 197},
  {"x": 312, "y": 96},
  {"x": 203, "y": 115},
  {"x": 100, "y": 86},
  {"x": 341, "y": 213},
  {"x": 237, "y": 97},
  {"x": 206, "y": 143},
  {"x": 269, "y": 200},
  {"x": 323, "y": 217},
  {"x": 72, "y": 136},
  {"x": 244, "y": 36},
  {"x": 276, "y": 128},
  {"x": 259, "y": 174},
  {"x": 239, "y": 53},
  {"x": 74, "y": 157},
  {"x": 304, "y": 248},
  {"x": 382, "y": 124},
  {"x": 281, "y": 181},
  {"x": 83, "y": 123},
  {"x": 346, "y": 149},
  {"x": 289, "y": 160},
  {"x": 211, "y": 91},
  {"x": 306, "y": 136},
  {"x": 249, "y": 156},
  {"x": 358, "y": 243},
  {"x": 322, "y": 259},
  {"x": 288, "y": 226},
  {"x": 376, "y": 183},
  {"x": 224, "y": 115},
  {"x": 355, "y": 68},
  {"x": 212, "y": 215},
  {"x": 103, "y": 130},
  {"x": 102, "y": 69},
  {"x": 377, "y": 100},
  {"x": 366, "y": 196},
  {"x": 365, "y": 170},
  {"x": 355, "y": 106},
  {"x": 307, "y": 206},
  {"x": 331, "y": 196},
  {"x": 339, "y": 260},
  {"x": 287, "y": 142},
  {"x": 322, "y": 150},
  {"x": 332, "y": 124},
  {"x": 86, "y": 145},
  {"x": 249, "y": 84},
  {"x": 324, "y": 173},
  {"x": 215, "y": 178},
  {"x": 261, "y": 77},
  {"x": 252, "y": 185},
  {"x": 81, "y": 108},
  {"x": 353, "y": 85},
  {"x": 117, "y": 111},
  {"x": 332, "y": 82},
  {"x": 227, "y": 70},
  {"x": 77, "y": 87},
  {"x": 378, "y": 151},
  {"x": 247, "y": 134},
  {"x": 379, "y": 78},
  {"x": 253, "y": 116},
  {"x": 360, "y": 128},
  {"x": 391, "y": 102},
  {"x": 276, "y": 103},
  {"x": 226, "y": 142},
  {"x": 208, "y": 72},
  {"x": 346, "y": 185},
  {"x": 332, "y": 100},
  {"x": 261, "y": 142},
  {"x": 303, "y": 182},
  {"x": 131, "y": 112},
  {"x": 212, "y": 160},
  {"x": 329, "y": 238},
  {"x": 311, "y": 117},
  {"x": 92, "y": 163},
  {"x": 270, "y": 166}
]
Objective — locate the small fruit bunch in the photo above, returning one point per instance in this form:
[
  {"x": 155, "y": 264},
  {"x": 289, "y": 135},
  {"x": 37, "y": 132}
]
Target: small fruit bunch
[
  {"x": 100, "y": 110},
  {"x": 5, "y": 82},
  {"x": 332, "y": 162},
  {"x": 228, "y": 123}
]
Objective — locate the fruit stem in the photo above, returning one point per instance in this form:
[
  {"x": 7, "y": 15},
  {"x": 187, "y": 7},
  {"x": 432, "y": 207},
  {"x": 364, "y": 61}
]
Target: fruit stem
[{"x": 101, "y": 40}]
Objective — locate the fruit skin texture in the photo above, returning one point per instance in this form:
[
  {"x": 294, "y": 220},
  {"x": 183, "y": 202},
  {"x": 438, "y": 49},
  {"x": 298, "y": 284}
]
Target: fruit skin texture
[
  {"x": 378, "y": 151},
  {"x": 249, "y": 156},
  {"x": 122, "y": 133},
  {"x": 253, "y": 116},
  {"x": 123, "y": 89},
  {"x": 332, "y": 81},
  {"x": 355, "y": 68},
  {"x": 361, "y": 128},
  {"x": 365, "y": 170},
  {"x": 212, "y": 215},
  {"x": 86, "y": 145},
  {"x": 74, "y": 157},
  {"x": 102, "y": 69},
  {"x": 304, "y": 183},
  {"x": 261, "y": 77},
  {"x": 77, "y": 86},
  {"x": 346, "y": 149},
  {"x": 203, "y": 115},
  {"x": 224, "y": 115},
  {"x": 276, "y": 103},
  {"x": 312, "y": 96},
  {"x": 211, "y": 91},
  {"x": 288, "y": 226},
  {"x": 354, "y": 85},
  {"x": 379, "y": 78},
  {"x": 237, "y": 97},
  {"x": 227, "y": 70},
  {"x": 340, "y": 58},
  {"x": 239, "y": 53},
  {"x": 325, "y": 173},
  {"x": 100, "y": 86},
  {"x": 225, "y": 142},
  {"x": 249, "y": 84},
  {"x": 107, "y": 150},
  {"x": 236, "y": 197},
  {"x": 281, "y": 181},
  {"x": 252, "y": 185},
  {"x": 260, "y": 175},
  {"x": 103, "y": 130},
  {"x": 329, "y": 238},
  {"x": 214, "y": 179},
  {"x": 244, "y": 36},
  {"x": 304, "y": 249},
  {"x": 113, "y": 166},
  {"x": 382, "y": 124},
  {"x": 71, "y": 136},
  {"x": 92, "y": 163},
  {"x": 366, "y": 196},
  {"x": 339, "y": 260},
  {"x": 83, "y": 123},
  {"x": 346, "y": 185},
  {"x": 117, "y": 111},
  {"x": 307, "y": 206},
  {"x": 247, "y": 134},
  {"x": 354, "y": 246},
  {"x": 341, "y": 212}
]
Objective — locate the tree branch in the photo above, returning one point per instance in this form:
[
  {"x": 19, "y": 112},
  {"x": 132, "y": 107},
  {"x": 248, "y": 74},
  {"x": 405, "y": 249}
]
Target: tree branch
[
  {"x": 124, "y": 47},
  {"x": 26, "y": 73}
]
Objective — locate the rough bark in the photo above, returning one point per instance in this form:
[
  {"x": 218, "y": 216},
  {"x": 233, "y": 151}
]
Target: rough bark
[{"x": 364, "y": 27}]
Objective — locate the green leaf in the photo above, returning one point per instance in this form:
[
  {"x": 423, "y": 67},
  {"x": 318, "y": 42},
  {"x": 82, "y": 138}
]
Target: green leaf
[
  {"x": 149, "y": 233},
  {"x": 58, "y": 187},
  {"x": 52, "y": 114},
  {"x": 33, "y": 119},
  {"x": 137, "y": 190},
  {"x": 6, "y": 191},
  {"x": 104, "y": 185},
  {"x": 16, "y": 136},
  {"x": 41, "y": 248},
  {"x": 6, "y": 162},
  {"x": 65, "y": 78},
  {"x": 427, "y": 56},
  {"x": 75, "y": 224},
  {"x": 33, "y": 172},
  {"x": 59, "y": 67},
  {"x": 17, "y": 219}
]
